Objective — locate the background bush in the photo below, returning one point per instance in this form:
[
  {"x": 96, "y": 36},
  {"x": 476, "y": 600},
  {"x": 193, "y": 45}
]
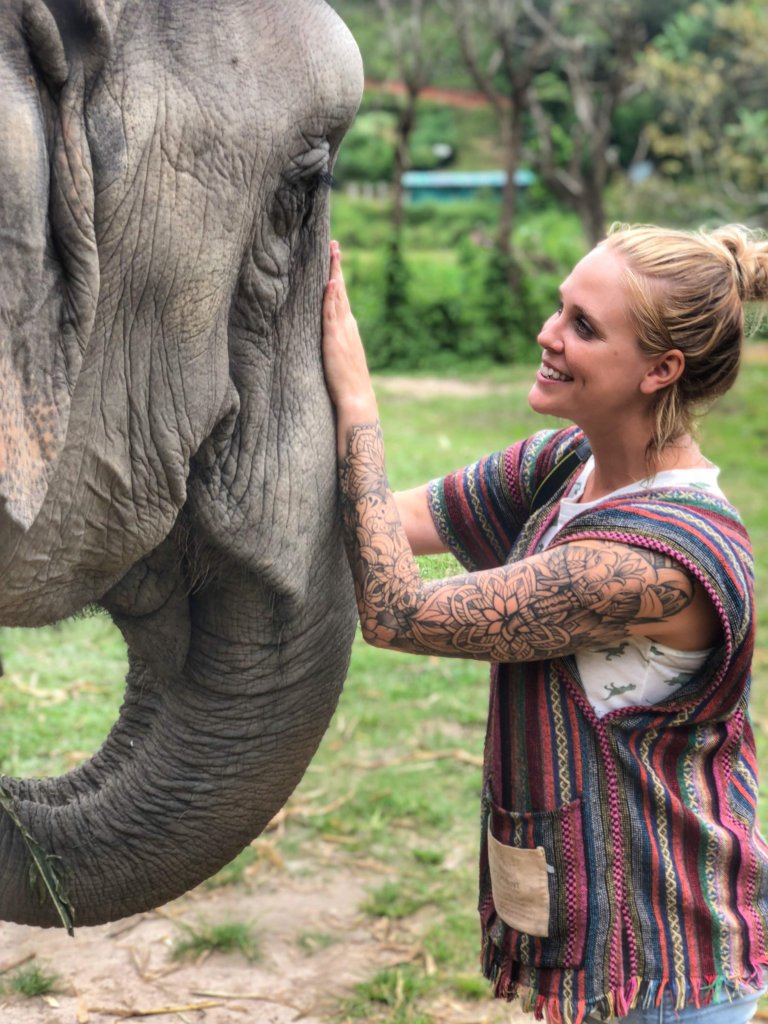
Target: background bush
[{"x": 439, "y": 298}]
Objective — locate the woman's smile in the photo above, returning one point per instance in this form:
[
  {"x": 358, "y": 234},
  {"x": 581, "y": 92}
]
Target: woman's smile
[{"x": 549, "y": 373}]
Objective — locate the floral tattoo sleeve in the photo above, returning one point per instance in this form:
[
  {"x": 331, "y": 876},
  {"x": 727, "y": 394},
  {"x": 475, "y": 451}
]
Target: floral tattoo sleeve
[{"x": 574, "y": 596}]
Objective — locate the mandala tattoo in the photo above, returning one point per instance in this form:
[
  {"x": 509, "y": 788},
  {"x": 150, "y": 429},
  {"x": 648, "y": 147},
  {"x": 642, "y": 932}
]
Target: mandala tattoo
[{"x": 571, "y": 597}]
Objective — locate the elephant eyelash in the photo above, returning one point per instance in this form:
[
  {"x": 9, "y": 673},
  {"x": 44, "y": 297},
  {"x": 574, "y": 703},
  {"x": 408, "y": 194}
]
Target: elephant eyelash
[
  {"x": 293, "y": 205},
  {"x": 325, "y": 180},
  {"x": 321, "y": 181}
]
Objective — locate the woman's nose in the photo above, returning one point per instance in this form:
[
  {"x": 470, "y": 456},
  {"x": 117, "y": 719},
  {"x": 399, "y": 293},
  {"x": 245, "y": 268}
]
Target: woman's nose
[{"x": 549, "y": 335}]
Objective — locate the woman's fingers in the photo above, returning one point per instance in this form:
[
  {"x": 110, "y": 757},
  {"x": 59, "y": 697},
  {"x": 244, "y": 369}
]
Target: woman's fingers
[
  {"x": 344, "y": 360},
  {"x": 329, "y": 302},
  {"x": 337, "y": 276},
  {"x": 337, "y": 309}
]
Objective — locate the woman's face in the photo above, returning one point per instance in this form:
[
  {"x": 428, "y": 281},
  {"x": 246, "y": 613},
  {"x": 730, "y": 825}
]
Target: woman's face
[{"x": 591, "y": 366}]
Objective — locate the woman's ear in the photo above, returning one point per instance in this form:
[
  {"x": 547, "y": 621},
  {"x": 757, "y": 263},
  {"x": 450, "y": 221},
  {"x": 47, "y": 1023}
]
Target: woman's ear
[{"x": 663, "y": 371}]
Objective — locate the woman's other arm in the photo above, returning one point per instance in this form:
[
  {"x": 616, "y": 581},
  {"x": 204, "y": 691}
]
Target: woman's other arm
[{"x": 418, "y": 523}]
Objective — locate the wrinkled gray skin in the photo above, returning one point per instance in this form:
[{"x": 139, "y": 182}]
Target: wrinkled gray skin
[{"x": 166, "y": 440}]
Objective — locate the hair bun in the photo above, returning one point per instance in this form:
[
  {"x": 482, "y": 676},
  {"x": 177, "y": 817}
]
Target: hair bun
[{"x": 749, "y": 255}]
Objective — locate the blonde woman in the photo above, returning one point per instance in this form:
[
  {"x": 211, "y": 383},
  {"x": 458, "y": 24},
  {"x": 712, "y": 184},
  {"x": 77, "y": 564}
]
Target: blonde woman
[{"x": 609, "y": 583}]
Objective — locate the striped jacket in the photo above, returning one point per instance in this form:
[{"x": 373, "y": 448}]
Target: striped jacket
[{"x": 652, "y": 873}]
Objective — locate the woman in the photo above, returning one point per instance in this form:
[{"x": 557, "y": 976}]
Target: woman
[{"x": 621, "y": 869}]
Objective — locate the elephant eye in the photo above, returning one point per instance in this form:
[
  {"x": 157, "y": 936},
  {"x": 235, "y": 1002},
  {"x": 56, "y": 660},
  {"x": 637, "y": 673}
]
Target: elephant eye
[{"x": 294, "y": 200}]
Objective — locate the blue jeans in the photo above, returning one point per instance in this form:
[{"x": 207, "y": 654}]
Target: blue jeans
[{"x": 738, "y": 1010}]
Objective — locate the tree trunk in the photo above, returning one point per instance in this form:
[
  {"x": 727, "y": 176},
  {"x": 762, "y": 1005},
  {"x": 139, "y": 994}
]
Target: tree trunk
[
  {"x": 592, "y": 213},
  {"x": 511, "y": 136},
  {"x": 405, "y": 124}
]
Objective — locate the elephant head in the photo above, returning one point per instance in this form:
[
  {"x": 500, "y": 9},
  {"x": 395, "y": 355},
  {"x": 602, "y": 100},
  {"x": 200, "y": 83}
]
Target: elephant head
[{"x": 166, "y": 441}]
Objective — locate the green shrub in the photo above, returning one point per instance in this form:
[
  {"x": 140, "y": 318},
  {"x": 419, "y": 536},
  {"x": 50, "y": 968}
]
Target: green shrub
[
  {"x": 441, "y": 297},
  {"x": 231, "y": 937},
  {"x": 33, "y": 980},
  {"x": 681, "y": 203},
  {"x": 363, "y": 225},
  {"x": 368, "y": 153},
  {"x": 434, "y": 125}
]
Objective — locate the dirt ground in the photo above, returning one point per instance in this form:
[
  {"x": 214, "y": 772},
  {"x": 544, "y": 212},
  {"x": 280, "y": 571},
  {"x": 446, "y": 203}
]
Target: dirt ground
[{"x": 124, "y": 971}]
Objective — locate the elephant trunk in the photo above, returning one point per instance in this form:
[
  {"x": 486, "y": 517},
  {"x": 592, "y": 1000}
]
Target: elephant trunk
[{"x": 199, "y": 761}]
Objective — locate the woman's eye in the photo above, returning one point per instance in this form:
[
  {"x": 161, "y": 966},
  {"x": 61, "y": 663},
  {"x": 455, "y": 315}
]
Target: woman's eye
[{"x": 583, "y": 328}]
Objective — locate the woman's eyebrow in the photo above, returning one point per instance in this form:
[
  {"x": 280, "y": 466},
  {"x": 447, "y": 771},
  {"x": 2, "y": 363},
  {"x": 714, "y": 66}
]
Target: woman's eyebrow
[{"x": 597, "y": 327}]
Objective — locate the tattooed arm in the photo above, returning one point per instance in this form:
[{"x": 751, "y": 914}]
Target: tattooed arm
[{"x": 574, "y": 596}]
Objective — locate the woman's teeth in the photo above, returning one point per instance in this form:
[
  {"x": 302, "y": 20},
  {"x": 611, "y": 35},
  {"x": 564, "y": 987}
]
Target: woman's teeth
[{"x": 550, "y": 374}]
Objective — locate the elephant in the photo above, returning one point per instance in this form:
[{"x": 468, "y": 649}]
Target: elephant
[{"x": 166, "y": 439}]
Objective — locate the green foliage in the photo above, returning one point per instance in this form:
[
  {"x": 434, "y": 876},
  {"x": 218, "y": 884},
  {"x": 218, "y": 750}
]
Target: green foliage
[
  {"x": 397, "y": 900},
  {"x": 394, "y": 336},
  {"x": 368, "y": 153},
  {"x": 361, "y": 225},
  {"x": 506, "y": 323},
  {"x": 32, "y": 980},
  {"x": 680, "y": 202},
  {"x": 228, "y": 937},
  {"x": 479, "y": 145},
  {"x": 471, "y": 986},
  {"x": 440, "y": 298},
  {"x": 690, "y": 79},
  {"x": 709, "y": 66},
  {"x": 746, "y": 150},
  {"x": 396, "y": 990},
  {"x": 436, "y": 125}
]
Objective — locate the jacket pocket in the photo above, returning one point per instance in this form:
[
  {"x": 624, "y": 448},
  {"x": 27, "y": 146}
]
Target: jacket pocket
[{"x": 536, "y": 910}]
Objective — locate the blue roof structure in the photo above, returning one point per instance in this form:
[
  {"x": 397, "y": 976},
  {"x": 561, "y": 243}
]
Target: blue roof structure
[
  {"x": 465, "y": 179},
  {"x": 444, "y": 186}
]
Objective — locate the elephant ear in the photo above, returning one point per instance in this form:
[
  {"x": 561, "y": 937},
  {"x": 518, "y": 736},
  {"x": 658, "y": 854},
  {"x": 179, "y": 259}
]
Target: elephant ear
[{"x": 50, "y": 273}]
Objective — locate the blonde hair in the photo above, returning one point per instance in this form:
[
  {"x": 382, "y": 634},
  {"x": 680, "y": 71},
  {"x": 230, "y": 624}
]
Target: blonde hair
[{"x": 688, "y": 291}]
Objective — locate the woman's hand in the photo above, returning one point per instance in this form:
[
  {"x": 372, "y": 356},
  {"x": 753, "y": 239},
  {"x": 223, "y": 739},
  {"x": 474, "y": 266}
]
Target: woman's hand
[{"x": 346, "y": 371}]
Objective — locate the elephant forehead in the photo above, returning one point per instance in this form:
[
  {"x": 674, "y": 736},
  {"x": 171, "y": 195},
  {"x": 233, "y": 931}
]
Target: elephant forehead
[
  {"x": 334, "y": 66},
  {"x": 297, "y": 57},
  {"x": 270, "y": 60},
  {"x": 229, "y": 87},
  {"x": 317, "y": 81},
  {"x": 203, "y": 116}
]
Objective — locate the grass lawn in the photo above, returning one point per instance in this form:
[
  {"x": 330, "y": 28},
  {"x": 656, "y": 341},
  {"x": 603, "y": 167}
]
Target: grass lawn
[{"x": 396, "y": 781}]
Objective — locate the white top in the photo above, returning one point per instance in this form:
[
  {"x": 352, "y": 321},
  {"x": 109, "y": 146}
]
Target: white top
[{"x": 637, "y": 670}]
